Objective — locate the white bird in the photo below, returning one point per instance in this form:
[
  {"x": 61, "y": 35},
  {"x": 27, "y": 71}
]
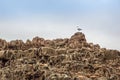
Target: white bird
[{"x": 79, "y": 29}]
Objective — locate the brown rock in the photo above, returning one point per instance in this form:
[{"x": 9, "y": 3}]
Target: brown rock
[
  {"x": 48, "y": 50},
  {"x": 61, "y": 51},
  {"x": 58, "y": 59},
  {"x": 3, "y": 44},
  {"x": 102, "y": 78},
  {"x": 79, "y": 37},
  {"x": 77, "y": 40},
  {"x": 15, "y": 44},
  {"x": 49, "y": 43},
  {"x": 38, "y": 42},
  {"x": 28, "y": 44}
]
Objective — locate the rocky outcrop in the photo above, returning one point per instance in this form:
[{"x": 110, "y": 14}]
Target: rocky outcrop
[
  {"x": 58, "y": 59},
  {"x": 77, "y": 40}
]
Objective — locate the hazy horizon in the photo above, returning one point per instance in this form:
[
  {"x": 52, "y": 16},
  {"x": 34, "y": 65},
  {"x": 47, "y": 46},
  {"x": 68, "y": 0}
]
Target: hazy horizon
[{"x": 53, "y": 19}]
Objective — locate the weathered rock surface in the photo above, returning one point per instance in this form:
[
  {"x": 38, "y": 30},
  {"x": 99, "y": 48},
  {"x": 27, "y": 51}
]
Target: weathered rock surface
[{"x": 58, "y": 59}]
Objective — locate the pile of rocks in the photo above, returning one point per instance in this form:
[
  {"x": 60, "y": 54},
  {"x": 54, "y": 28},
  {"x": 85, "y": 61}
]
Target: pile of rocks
[{"x": 58, "y": 59}]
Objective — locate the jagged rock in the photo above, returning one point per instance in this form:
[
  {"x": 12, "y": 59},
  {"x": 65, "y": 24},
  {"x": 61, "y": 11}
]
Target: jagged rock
[
  {"x": 61, "y": 43},
  {"x": 48, "y": 50},
  {"x": 3, "y": 44},
  {"x": 7, "y": 55},
  {"x": 79, "y": 37},
  {"x": 49, "y": 43},
  {"x": 61, "y": 51},
  {"x": 111, "y": 54},
  {"x": 28, "y": 44},
  {"x": 77, "y": 40},
  {"x": 2, "y": 54},
  {"x": 15, "y": 44},
  {"x": 102, "y": 78},
  {"x": 58, "y": 59},
  {"x": 37, "y": 42}
]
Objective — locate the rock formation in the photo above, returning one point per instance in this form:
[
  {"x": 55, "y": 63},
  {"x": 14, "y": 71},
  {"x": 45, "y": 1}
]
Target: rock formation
[{"x": 58, "y": 59}]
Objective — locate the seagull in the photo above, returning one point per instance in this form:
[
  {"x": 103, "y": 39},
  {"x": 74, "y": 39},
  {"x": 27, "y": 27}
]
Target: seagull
[{"x": 79, "y": 29}]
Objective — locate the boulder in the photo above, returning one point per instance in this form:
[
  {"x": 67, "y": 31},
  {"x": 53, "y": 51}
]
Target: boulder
[
  {"x": 77, "y": 40},
  {"x": 15, "y": 44},
  {"x": 38, "y": 42},
  {"x": 3, "y": 44},
  {"x": 48, "y": 51}
]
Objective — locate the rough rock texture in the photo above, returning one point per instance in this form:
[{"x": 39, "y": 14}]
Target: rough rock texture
[{"x": 58, "y": 59}]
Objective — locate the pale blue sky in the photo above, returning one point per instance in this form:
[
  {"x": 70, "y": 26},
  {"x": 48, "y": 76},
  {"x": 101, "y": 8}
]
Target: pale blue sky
[{"x": 99, "y": 19}]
